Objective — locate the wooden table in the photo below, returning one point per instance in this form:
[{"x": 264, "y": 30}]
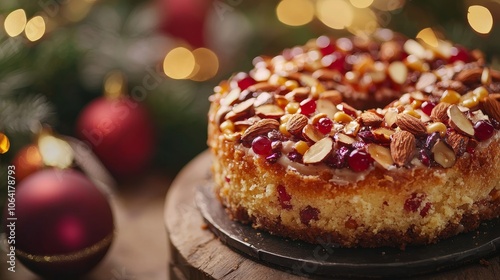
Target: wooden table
[
  {"x": 197, "y": 254},
  {"x": 139, "y": 250}
]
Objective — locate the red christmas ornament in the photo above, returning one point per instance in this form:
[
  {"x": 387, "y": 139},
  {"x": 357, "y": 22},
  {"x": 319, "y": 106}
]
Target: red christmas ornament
[
  {"x": 120, "y": 133},
  {"x": 27, "y": 161},
  {"x": 63, "y": 224},
  {"x": 186, "y": 19}
]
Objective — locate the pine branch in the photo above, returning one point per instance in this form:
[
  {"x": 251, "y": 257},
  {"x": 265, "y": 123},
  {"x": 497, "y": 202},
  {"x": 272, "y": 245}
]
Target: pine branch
[{"x": 23, "y": 115}]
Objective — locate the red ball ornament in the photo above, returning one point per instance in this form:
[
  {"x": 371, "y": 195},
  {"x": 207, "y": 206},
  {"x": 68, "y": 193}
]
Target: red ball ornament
[
  {"x": 63, "y": 224},
  {"x": 120, "y": 133}
]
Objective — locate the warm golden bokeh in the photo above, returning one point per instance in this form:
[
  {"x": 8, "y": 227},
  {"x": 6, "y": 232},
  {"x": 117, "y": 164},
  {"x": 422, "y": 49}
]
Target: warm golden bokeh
[
  {"x": 35, "y": 28},
  {"x": 336, "y": 14},
  {"x": 480, "y": 19},
  {"x": 361, "y": 3},
  {"x": 428, "y": 36},
  {"x": 179, "y": 63},
  {"x": 55, "y": 151},
  {"x": 295, "y": 12},
  {"x": 207, "y": 64},
  {"x": 4, "y": 143},
  {"x": 15, "y": 22},
  {"x": 114, "y": 85}
]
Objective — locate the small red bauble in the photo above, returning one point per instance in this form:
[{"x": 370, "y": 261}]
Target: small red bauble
[
  {"x": 120, "y": 133},
  {"x": 64, "y": 224}
]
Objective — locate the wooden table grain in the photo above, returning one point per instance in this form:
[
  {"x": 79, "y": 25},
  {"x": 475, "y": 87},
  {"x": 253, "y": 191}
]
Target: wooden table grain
[{"x": 195, "y": 253}]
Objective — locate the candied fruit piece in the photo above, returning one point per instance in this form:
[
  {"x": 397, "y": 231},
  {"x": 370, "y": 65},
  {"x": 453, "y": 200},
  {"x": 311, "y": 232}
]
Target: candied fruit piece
[
  {"x": 324, "y": 125},
  {"x": 261, "y": 145},
  {"x": 284, "y": 198},
  {"x": 309, "y": 213},
  {"x": 483, "y": 130},
  {"x": 359, "y": 160},
  {"x": 413, "y": 203}
]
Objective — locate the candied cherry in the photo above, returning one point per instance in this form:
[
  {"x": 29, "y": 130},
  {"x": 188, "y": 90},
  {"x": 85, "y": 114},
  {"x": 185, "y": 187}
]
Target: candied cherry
[
  {"x": 284, "y": 198},
  {"x": 359, "y": 160},
  {"x": 307, "y": 106},
  {"x": 243, "y": 80},
  {"x": 325, "y": 46},
  {"x": 459, "y": 53},
  {"x": 483, "y": 130},
  {"x": 339, "y": 158},
  {"x": 335, "y": 61},
  {"x": 324, "y": 125},
  {"x": 414, "y": 202},
  {"x": 427, "y": 107},
  {"x": 309, "y": 213},
  {"x": 261, "y": 145}
]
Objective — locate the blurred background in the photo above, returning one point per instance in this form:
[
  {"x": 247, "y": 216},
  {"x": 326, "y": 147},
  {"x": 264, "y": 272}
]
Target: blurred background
[{"x": 59, "y": 56}]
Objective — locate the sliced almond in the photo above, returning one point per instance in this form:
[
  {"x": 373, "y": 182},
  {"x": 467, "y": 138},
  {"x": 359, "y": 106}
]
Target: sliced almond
[
  {"x": 415, "y": 48},
  {"x": 311, "y": 133},
  {"x": 443, "y": 154},
  {"x": 269, "y": 111},
  {"x": 259, "y": 128},
  {"x": 308, "y": 80},
  {"x": 491, "y": 107},
  {"x": 381, "y": 155},
  {"x": 403, "y": 146},
  {"x": 244, "y": 106},
  {"x": 327, "y": 107},
  {"x": 459, "y": 121},
  {"x": 298, "y": 94},
  {"x": 425, "y": 80},
  {"x": 231, "y": 97},
  {"x": 262, "y": 86},
  {"x": 296, "y": 123},
  {"x": 221, "y": 113},
  {"x": 398, "y": 72},
  {"x": 458, "y": 142},
  {"x": 327, "y": 75},
  {"x": 382, "y": 134},
  {"x": 411, "y": 124},
  {"x": 440, "y": 112},
  {"x": 342, "y": 138},
  {"x": 333, "y": 96},
  {"x": 263, "y": 98},
  {"x": 391, "y": 116},
  {"x": 352, "y": 128},
  {"x": 319, "y": 151},
  {"x": 486, "y": 76},
  {"x": 315, "y": 119},
  {"x": 371, "y": 119}
]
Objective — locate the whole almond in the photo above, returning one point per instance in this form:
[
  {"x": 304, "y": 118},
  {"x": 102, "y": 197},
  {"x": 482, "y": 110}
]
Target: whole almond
[
  {"x": 440, "y": 112},
  {"x": 458, "y": 142},
  {"x": 319, "y": 151},
  {"x": 296, "y": 123},
  {"x": 371, "y": 119},
  {"x": 411, "y": 124},
  {"x": 492, "y": 107},
  {"x": 259, "y": 128},
  {"x": 403, "y": 147},
  {"x": 468, "y": 76}
]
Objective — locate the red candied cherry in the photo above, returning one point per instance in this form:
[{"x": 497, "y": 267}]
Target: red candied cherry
[
  {"x": 425, "y": 209},
  {"x": 335, "y": 61},
  {"x": 261, "y": 145},
  {"x": 243, "y": 80},
  {"x": 309, "y": 213},
  {"x": 459, "y": 53},
  {"x": 325, "y": 46},
  {"x": 427, "y": 107},
  {"x": 324, "y": 125},
  {"x": 359, "y": 160},
  {"x": 307, "y": 106},
  {"x": 414, "y": 201},
  {"x": 284, "y": 198},
  {"x": 483, "y": 130}
]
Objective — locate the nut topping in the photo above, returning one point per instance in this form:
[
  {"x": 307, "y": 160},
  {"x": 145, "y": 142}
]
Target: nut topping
[
  {"x": 269, "y": 111},
  {"x": 440, "y": 112},
  {"x": 296, "y": 123},
  {"x": 311, "y": 133},
  {"x": 458, "y": 142},
  {"x": 398, "y": 72},
  {"x": 443, "y": 155},
  {"x": 259, "y": 128},
  {"x": 492, "y": 107},
  {"x": 381, "y": 155},
  {"x": 459, "y": 121},
  {"x": 371, "y": 119},
  {"x": 319, "y": 151},
  {"x": 411, "y": 124},
  {"x": 402, "y": 147}
]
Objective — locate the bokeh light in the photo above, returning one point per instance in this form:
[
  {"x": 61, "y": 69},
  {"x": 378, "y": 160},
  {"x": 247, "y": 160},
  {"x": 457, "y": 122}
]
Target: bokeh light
[
  {"x": 35, "y": 28},
  {"x": 114, "y": 84},
  {"x": 361, "y": 3},
  {"x": 364, "y": 22},
  {"x": 76, "y": 10},
  {"x": 207, "y": 64},
  {"x": 55, "y": 152},
  {"x": 480, "y": 19},
  {"x": 179, "y": 63},
  {"x": 15, "y": 22},
  {"x": 336, "y": 14},
  {"x": 428, "y": 36},
  {"x": 4, "y": 143},
  {"x": 295, "y": 12}
]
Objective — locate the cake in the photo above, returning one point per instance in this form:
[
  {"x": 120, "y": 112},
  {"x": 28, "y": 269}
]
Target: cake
[{"x": 361, "y": 141}]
